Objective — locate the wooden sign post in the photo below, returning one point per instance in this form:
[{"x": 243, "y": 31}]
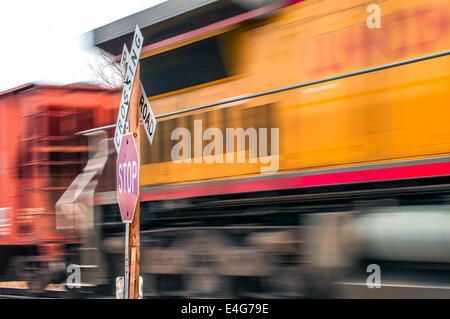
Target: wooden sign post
[{"x": 134, "y": 243}]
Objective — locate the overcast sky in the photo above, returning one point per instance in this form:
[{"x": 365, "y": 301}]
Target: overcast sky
[{"x": 46, "y": 40}]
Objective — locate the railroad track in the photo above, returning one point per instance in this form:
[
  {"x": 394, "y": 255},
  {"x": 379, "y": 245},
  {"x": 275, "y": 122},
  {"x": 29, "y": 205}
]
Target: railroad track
[{"x": 19, "y": 290}]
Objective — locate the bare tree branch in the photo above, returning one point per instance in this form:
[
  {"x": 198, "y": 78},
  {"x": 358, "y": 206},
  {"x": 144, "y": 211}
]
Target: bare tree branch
[{"x": 106, "y": 71}]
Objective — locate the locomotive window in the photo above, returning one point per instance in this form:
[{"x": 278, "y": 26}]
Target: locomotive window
[
  {"x": 164, "y": 131},
  {"x": 194, "y": 64},
  {"x": 256, "y": 117}
]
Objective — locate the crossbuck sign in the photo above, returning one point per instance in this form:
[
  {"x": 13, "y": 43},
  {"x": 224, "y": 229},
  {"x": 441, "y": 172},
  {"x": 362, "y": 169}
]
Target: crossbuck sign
[{"x": 129, "y": 65}]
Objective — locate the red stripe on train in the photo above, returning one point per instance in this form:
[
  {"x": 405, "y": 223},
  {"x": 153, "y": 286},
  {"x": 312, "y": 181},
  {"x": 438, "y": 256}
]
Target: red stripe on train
[{"x": 372, "y": 175}]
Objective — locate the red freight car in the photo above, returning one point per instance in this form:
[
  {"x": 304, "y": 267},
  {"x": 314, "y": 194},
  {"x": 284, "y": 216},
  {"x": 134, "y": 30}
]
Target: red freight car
[{"x": 40, "y": 155}]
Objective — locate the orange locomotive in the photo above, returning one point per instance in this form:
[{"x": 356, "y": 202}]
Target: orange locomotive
[
  {"x": 41, "y": 155},
  {"x": 360, "y": 114}
]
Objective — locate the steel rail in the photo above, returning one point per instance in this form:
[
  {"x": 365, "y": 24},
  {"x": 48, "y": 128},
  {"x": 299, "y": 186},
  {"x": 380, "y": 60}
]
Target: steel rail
[
  {"x": 243, "y": 227},
  {"x": 287, "y": 88}
]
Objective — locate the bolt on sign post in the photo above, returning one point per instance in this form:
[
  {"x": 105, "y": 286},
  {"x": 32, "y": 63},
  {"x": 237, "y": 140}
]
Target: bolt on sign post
[{"x": 134, "y": 107}]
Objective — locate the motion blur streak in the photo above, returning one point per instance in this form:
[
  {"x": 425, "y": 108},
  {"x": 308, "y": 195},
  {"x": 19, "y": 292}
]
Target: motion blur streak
[{"x": 364, "y": 160}]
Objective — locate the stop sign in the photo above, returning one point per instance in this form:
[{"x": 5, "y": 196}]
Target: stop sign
[{"x": 127, "y": 178}]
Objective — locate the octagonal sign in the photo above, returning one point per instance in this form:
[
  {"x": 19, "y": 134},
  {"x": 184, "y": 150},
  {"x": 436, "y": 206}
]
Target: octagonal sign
[{"x": 127, "y": 178}]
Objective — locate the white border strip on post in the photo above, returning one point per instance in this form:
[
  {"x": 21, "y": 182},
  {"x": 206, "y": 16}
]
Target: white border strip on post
[
  {"x": 133, "y": 61},
  {"x": 126, "y": 294}
]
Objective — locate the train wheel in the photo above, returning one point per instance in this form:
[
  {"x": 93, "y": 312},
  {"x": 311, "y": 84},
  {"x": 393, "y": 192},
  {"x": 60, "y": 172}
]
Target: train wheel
[
  {"x": 32, "y": 272},
  {"x": 208, "y": 285},
  {"x": 204, "y": 262}
]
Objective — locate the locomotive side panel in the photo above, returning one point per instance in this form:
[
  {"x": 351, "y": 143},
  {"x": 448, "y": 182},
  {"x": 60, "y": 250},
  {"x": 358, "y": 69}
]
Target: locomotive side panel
[{"x": 363, "y": 119}]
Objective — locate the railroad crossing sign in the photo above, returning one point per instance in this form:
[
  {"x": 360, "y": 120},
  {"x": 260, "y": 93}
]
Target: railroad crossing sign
[
  {"x": 127, "y": 178},
  {"x": 147, "y": 116},
  {"x": 129, "y": 64},
  {"x": 132, "y": 61}
]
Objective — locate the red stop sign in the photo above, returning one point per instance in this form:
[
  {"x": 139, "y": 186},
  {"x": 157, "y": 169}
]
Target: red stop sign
[{"x": 127, "y": 178}]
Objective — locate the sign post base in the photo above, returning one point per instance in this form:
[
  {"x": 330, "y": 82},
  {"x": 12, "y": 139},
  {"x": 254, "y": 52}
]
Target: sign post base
[{"x": 120, "y": 291}]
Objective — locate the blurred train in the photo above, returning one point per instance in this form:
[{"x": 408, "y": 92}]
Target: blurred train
[
  {"x": 40, "y": 156},
  {"x": 361, "y": 168}
]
